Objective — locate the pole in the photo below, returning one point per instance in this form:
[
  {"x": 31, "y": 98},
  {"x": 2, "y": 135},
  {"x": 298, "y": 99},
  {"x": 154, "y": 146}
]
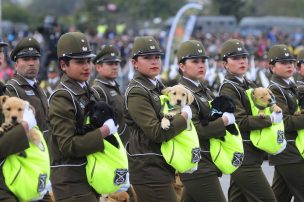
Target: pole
[{"x": 181, "y": 11}]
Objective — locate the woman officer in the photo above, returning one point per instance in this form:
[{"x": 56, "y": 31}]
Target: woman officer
[
  {"x": 289, "y": 165},
  {"x": 150, "y": 175},
  {"x": 202, "y": 185},
  {"x": 248, "y": 182}
]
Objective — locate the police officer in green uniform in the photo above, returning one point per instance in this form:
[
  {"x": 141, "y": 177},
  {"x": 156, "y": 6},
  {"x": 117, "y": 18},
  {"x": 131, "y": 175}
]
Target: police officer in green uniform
[
  {"x": 53, "y": 79},
  {"x": 66, "y": 112},
  {"x": 289, "y": 165},
  {"x": 24, "y": 84},
  {"x": 248, "y": 182},
  {"x": 300, "y": 78},
  {"x": 2, "y": 45},
  {"x": 152, "y": 178},
  {"x": 107, "y": 64},
  {"x": 203, "y": 184}
]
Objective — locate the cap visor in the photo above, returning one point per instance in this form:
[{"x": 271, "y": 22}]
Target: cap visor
[
  {"x": 238, "y": 54},
  {"x": 91, "y": 55},
  {"x": 286, "y": 59}
]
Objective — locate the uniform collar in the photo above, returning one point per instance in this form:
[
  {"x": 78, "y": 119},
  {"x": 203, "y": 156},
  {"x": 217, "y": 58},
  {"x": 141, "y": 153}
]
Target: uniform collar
[
  {"x": 281, "y": 82},
  {"x": 22, "y": 81},
  {"x": 242, "y": 82},
  {"x": 143, "y": 80},
  {"x": 193, "y": 86},
  {"x": 105, "y": 81},
  {"x": 72, "y": 85}
]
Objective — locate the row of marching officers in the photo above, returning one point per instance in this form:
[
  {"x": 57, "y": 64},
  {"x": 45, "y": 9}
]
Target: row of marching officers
[{"x": 76, "y": 138}]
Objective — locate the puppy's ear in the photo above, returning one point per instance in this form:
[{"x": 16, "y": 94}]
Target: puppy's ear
[
  {"x": 3, "y": 99},
  {"x": 166, "y": 91},
  {"x": 190, "y": 97}
]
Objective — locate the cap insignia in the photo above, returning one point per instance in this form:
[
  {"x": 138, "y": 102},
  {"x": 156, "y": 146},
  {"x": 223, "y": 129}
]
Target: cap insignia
[
  {"x": 112, "y": 54},
  {"x": 31, "y": 49},
  {"x": 286, "y": 54},
  {"x": 85, "y": 48},
  {"x": 82, "y": 40},
  {"x": 200, "y": 50},
  {"x": 152, "y": 47},
  {"x": 239, "y": 49}
]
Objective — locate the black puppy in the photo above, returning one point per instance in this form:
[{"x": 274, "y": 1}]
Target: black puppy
[
  {"x": 220, "y": 105},
  {"x": 98, "y": 112}
]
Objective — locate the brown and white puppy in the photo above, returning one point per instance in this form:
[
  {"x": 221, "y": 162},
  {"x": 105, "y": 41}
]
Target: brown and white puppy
[
  {"x": 12, "y": 109},
  {"x": 179, "y": 96},
  {"x": 262, "y": 98}
]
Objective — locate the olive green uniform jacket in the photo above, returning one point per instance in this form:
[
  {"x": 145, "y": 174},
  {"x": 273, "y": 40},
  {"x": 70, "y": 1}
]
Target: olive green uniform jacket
[
  {"x": 68, "y": 150},
  {"x": 200, "y": 109},
  {"x": 236, "y": 90},
  {"x": 11, "y": 142},
  {"x": 112, "y": 96},
  {"x": 300, "y": 91},
  {"x": 286, "y": 98},
  {"x": 143, "y": 116},
  {"x": 19, "y": 87}
]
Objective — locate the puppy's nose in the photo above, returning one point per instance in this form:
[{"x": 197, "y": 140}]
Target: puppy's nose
[
  {"x": 14, "y": 119},
  {"x": 178, "y": 102}
]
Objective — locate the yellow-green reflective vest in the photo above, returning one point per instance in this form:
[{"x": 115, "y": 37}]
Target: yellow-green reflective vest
[
  {"x": 300, "y": 141},
  {"x": 227, "y": 155},
  {"x": 106, "y": 171},
  {"x": 27, "y": 175},
  {"x": 271, "y": 139},
  {"x": 183, "y": 151}
]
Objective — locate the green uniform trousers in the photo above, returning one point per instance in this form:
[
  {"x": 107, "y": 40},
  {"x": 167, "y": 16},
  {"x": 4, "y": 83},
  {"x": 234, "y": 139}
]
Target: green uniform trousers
[
  {"x": 155, "y": 192},
  {"x": 288, "y": 181},
  {"x": 88, "y": 197},
  {"x": 203, "y": 189},
  {"x": 248, "y": 183}
]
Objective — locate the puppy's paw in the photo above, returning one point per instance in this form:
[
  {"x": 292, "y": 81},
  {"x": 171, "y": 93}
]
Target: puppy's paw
[
  {"x": 169, "y": 115},
  {"x": 276, "y": 108},
  {"x": 261, "y": 115},
  {"x": 165, "y": 123},
  {"x": 7, "y": 126}
]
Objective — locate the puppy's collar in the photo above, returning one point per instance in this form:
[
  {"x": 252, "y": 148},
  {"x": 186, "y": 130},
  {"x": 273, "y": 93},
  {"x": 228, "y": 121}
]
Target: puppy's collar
[
  {"x": 170, "y": 107},
  {"x": 215, "y": 111}
]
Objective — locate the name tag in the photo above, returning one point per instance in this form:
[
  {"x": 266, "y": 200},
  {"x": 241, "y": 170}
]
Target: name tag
[
  {"x": 29, "y": 92},
  {"x": 113, "y": 93}
]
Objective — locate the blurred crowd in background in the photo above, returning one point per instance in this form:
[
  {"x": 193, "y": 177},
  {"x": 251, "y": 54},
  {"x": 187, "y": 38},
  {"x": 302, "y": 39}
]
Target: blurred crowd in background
[{"x": 257, "y": 46}]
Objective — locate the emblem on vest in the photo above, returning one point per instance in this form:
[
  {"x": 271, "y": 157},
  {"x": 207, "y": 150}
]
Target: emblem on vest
[
  {"x": 42, "y": 182},
  {"x": 113, "y": 93},
  {"x": 155, "y": 97},
  {"x": 83, "y": 102},
  {"x": 280, "y": 138},
  {"x": 120, "y": 176},
  {"x": 29, "y": 92},
  {"x": 237, "y": 159},
  {"x": 196, "y": 155}
]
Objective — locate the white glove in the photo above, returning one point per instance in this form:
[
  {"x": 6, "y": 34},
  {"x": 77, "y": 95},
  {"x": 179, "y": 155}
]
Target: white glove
[
  {"x": 125, "y": 186},
  {"x": 230, "y": 117},
  {"x": 192, "y": 170},
  {"x": 29, "y": 117},
  {"x": 188, "y": 110},
  {"x": 276, "y": 117},
  {"x": 111, "y": 125}
]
